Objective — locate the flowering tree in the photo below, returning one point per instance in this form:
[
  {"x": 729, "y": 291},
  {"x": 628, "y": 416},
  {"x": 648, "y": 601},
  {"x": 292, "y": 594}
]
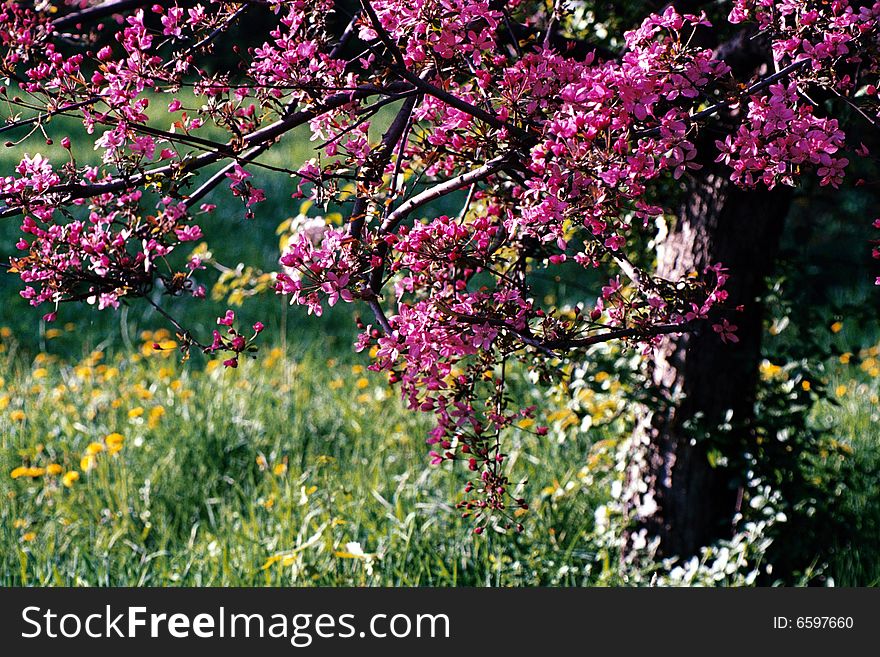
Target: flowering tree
[{"x": 561, "y": 152}]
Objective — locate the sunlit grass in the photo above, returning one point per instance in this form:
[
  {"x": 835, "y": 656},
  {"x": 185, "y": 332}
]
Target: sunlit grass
[
  {"x": 291, "y": 470},
  {"x": 301, "y": 468}
]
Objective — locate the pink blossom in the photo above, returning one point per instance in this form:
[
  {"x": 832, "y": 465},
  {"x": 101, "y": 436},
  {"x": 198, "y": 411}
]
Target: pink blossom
[{"x": 726, "y": 331}]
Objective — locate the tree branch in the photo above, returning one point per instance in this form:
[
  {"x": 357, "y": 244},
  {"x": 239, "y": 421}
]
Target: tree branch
[
  {"x": 382, "y": 157},
  {"x": 453, "y": 184},
  {"x": 717, "y": 107},
  {"x": 262, "y": 136},
  {"x": 97, "y": 12},
  {"x": 617, "y": 334},
  {"x": 425, "y": 86}
]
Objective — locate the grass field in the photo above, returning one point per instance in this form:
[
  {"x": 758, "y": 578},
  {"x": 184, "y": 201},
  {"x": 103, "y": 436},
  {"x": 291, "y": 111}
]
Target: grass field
[
  {"x": 295, "y": 469},
  {"x": 139, "y": 469}
]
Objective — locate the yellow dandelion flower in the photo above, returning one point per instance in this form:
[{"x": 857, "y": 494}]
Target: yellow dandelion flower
[
  {"x": 362, "y": 383},
  {"x": 88, "y": 462},
  {"x": 845, "y": 358},
  {"x": 357, "y": 369},
  {"x": 837, "y": 327},
  {"x": 20, "y": 471},
  {"x": 53, "y": 333},
  {"x": 114, "y": 442},
  {"x": 336, "y": 384},
  {"x": 262, "y": 463},
  {"x": 142, "y": 393},
  {"x": 94, "y": 448},
  {"x": 19, "y": 523},
  {"x": 769, "y": 370},
  {"x": 156, "y": 414},
  {"x": 280, "y": 469},
  {"x": 54, "y": 469},
  {"x": 17, "y": 416},
  {"x": 30, "y": 536},
  {"x": 35, "y": 472},
  {"x": 70, "y": 478},
  {"x": 4, "y": 402},
  {"x": 40, "y": 373},
  {"x": 135, "y": 412},
  {"x": 840, "y": 391},
  {"x": 806, "y": 385},
  {"x": 5, "y": 332}
]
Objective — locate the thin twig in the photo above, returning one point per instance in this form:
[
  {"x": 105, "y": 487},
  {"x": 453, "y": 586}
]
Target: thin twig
[
  {"x": 453, "y": 184},
  {"x": 717, "y": 107}
]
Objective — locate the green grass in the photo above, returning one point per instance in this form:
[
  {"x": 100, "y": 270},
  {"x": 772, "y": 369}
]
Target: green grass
[
  {"x": 269, "y": 474},
  {"x": 291, "y": 456}
]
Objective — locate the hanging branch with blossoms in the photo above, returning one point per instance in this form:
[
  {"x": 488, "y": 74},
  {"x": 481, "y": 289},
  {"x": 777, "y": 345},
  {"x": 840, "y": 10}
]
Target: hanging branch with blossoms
[{"x": 554, "y": 157}]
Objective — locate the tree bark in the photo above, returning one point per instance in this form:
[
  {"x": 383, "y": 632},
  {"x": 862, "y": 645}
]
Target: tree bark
[{"x": 678, "y": 491}]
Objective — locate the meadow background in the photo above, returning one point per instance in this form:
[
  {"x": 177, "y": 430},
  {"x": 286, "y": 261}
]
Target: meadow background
[{"x": 121, "y": 464}]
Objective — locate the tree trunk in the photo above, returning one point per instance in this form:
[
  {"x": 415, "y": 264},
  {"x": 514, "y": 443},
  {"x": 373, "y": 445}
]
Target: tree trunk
[{"x": 678, "y": 489}]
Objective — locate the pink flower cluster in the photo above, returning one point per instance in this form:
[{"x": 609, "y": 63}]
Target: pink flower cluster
[
  {"x": 232, "y": 341},
  {"x": 841, "y": 44},
  {"x": 556, "y": 160},
  {"x": 449, "y": 29},
  {"x": 315, "y": 272},
  {"x": 107, "y": 255},
  {"x": 823, "y": 33},
  {"x": 779, "y": 137}
]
